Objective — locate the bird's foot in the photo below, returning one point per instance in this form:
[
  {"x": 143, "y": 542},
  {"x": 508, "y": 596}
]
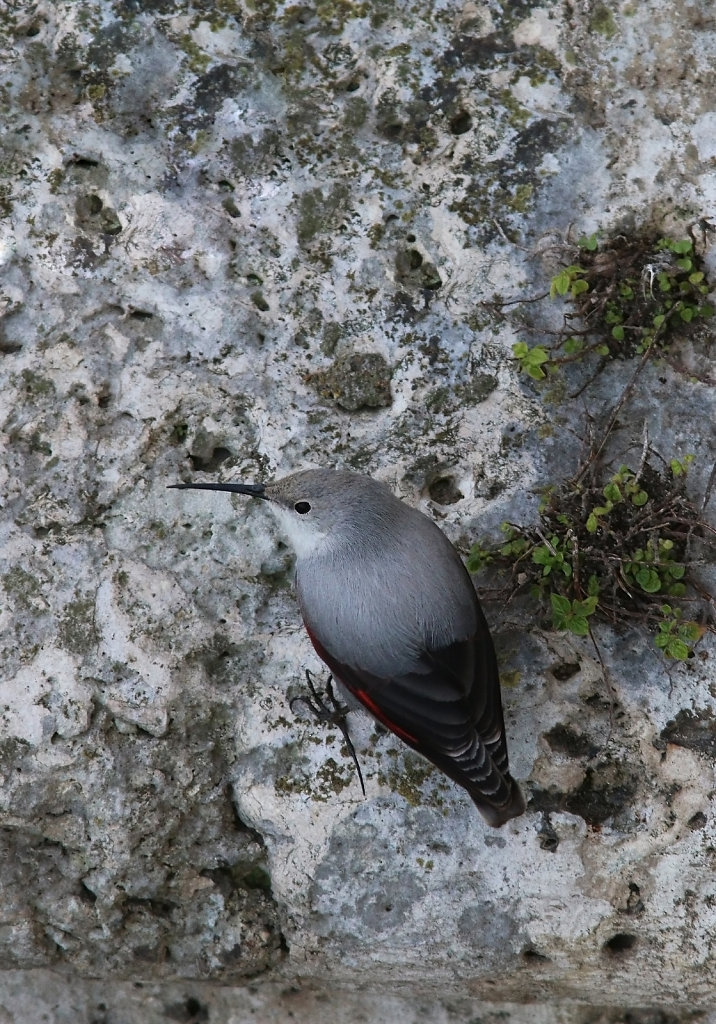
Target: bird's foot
[{"x": 327, "y": 709}]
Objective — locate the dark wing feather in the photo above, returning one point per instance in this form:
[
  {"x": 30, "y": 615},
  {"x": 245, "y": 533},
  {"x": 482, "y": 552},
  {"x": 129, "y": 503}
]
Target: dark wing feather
[{"x": 451, "y": 713}]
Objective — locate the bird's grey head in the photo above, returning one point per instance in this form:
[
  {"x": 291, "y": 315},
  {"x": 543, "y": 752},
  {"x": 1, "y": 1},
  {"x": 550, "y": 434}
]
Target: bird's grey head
[{"x": 323, "y": 508}]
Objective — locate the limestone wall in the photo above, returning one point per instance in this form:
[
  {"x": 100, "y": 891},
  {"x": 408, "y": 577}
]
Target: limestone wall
[{"x": 241, "y": 238}]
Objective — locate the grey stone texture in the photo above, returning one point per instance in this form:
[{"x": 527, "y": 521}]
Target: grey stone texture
[{"x": 242, "y": 237}]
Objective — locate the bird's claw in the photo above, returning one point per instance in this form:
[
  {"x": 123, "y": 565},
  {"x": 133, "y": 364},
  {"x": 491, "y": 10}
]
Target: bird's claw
[
  {"x": 327, "y": 709},
  {"x": 330, "y": 712}
]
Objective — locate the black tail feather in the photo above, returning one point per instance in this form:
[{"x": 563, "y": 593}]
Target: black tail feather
[{"x": 497, "y": 815}]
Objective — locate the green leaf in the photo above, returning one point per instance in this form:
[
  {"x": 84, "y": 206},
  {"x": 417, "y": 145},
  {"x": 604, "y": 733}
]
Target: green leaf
[
  {"x": 537, "y": 355},
  {"x": 561, "y": 606},
  {"x": 648, "y": 579},
  {"x": 687, "y": 314},
  {"x": 676, "y": 571},
  {"x": 586, "y": 607},
  {"x": 697, "y": 277},
  {"x": 478, "y": 557},
  {"x": 542, "y": 555},
  {"x": 684, "y": 264},
  {"x": 691, "y": 631},
  {"x": 618, "y": 333},
  {"x": 593, "y": 586},
  {"x": 578, "y": 625},
  {"x": 680, "y": 247},
  {"x": 519, "y": 350},
  {"x": 640, "y": 498},
  {"x": 658, "y": 320},
  {"x": 560, "y": 284},
  {"x": 612, "y": 493},
  {"x": 514, "y": 549},
  {"x": 573, "y": 345},
  {"x": 602, "y": 350},
  {"x": 579, "y": 286},
  {"x": 677, "y": 649},
  {"x": 589, "y": 243},
  {"x": 592, "y": 523}
]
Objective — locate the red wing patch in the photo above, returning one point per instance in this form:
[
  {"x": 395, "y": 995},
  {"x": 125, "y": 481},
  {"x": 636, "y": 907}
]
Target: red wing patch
[{"x": 375, "y": 710}]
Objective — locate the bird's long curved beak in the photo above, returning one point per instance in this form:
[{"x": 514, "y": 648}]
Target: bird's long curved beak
[{"x": 255, "y": 490}]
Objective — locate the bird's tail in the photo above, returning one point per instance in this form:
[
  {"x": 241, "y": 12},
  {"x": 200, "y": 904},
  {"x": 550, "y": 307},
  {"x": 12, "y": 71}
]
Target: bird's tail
[{"x": 498, "y": 814}]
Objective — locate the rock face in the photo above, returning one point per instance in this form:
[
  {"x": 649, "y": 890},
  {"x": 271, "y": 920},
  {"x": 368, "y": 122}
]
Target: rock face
[{"x": 239, "y": 239}]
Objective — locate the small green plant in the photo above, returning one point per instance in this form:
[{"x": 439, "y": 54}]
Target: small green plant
[
  {"x": 654, "y": 570},
  {"x": 553, "y": 554},
  {"x": 531, "y": 359},
  {"x": 572, "y": 616},
  {"x": 675, "y": 637},
  {"x": 623, "y": 486},
  {"x": 610, "y": 550},
  {"x": 478, "y": 558},
  {"x": 626, "y": 296},
  {"x": 590, "y": 243},
  {"x": 680, "y": 467},
  {"x": 569, "y": 281}
]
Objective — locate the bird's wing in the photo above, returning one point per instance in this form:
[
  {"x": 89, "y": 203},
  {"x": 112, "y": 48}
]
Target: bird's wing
[{"x": 450, "y": 711}]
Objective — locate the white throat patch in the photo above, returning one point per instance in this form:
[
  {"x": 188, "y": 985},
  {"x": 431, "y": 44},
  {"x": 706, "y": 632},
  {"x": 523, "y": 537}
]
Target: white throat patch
[{"x": 305, "y": 538}]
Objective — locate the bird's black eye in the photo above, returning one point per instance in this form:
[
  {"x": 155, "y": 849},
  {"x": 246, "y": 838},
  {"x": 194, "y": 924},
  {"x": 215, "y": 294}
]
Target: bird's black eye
[{"x": 302, "y": 507}]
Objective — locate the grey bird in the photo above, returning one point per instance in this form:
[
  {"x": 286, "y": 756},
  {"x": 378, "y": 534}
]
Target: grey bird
[{"x": 391, "y": 610}]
